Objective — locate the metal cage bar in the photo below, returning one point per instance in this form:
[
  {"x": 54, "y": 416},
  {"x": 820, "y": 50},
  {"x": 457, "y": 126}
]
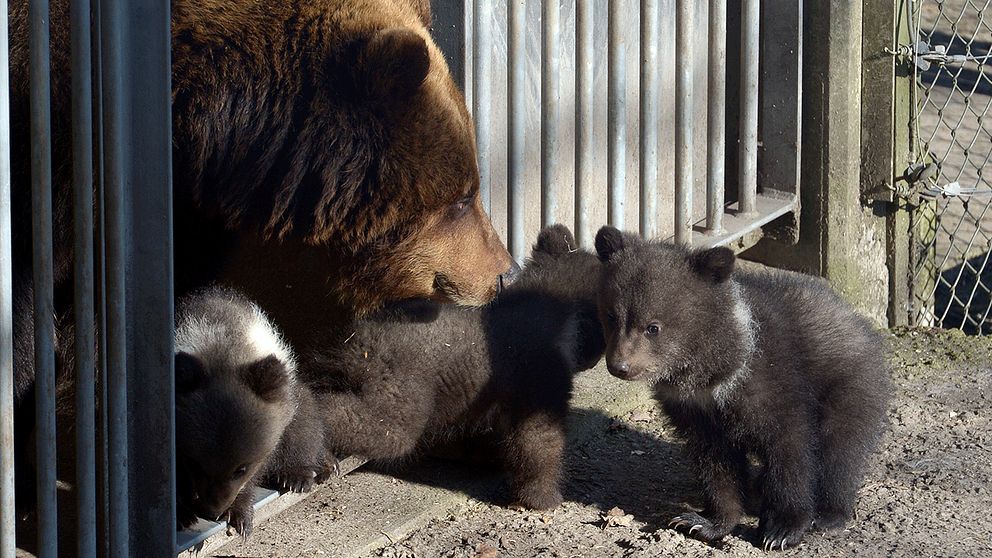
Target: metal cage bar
[
  {"x": 649, "y": 119},
  {"x": 150, "y": 374},
  {"x": 748, "y": 177},
  {"x": 617, "y": 116},
  {"x": 683, "y": 122},
  {"x": 115, "y": 154},
  {"x": 43, "y": 279},
  {"x": 585, "y": 50},
  {"x": 716, "y": 136},
  {"x": 482, "y": 13},
  {"x": 7, "y": 513},
  {"x": 550, "y": 112},
  {"x": 516, "y": 137},
  {"x": 83, "y": 304}
]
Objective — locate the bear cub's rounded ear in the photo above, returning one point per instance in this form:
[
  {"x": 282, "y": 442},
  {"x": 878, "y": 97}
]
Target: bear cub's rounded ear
[
  {"x": 391, "y": 65},
  {"x": 267, "y": 377},
  {"x": 715, "y": 264},
  {"x": 609, "y": 241},
  {"x": 555, "y": 240},
  {"x": 189, "y": 373}
]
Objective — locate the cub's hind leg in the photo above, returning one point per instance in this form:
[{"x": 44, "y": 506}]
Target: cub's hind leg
[
  {"x": 534, "y": 451},
  {"x": 849, "y": 429}
]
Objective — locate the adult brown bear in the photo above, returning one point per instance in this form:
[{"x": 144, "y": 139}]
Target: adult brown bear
[
  {"x": 323, "y": 159},
  {"x": 323, "y": 162}
]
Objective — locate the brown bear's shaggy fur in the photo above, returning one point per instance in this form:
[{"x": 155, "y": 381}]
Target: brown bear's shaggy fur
[{"x": 408, "y": 379}]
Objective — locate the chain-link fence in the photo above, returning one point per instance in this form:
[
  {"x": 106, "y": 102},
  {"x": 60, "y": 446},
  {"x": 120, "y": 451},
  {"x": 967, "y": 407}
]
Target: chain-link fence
[{"x": 951, "y": 223}]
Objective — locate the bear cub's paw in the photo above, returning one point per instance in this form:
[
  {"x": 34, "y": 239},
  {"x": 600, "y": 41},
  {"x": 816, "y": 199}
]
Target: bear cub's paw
[
  {"x": 327, "y": 467},
  {"x": 699, "y": 527},
  {"x": 240, "y": 517},
  {"x": 780, "y": 531},
  {"x": 831, "y": 520},
  {"x": 296, "y": 479},
  {"x": 537, "y": 498}
]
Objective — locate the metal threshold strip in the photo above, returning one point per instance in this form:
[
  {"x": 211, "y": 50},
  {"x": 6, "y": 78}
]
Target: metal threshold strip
[
  {"x": 208, "y": 536},
  {"x": 735, "y": 225}
]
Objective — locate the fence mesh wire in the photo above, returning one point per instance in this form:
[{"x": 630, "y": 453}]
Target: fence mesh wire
[{"x": 951, "y": 223}]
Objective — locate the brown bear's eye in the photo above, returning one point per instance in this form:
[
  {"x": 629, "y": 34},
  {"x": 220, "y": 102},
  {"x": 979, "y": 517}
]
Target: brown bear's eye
[
  {"x": 460, "y": 207},
  {"x": 653, "y": 329}
]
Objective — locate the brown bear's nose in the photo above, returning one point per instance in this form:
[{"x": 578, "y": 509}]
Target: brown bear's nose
[{"x": 507, "y": 279}]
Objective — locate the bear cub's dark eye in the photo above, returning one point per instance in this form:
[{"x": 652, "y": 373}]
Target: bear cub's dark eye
[
  {"x": 653, "y": 329},
  {"x": 240, "y": 472}
]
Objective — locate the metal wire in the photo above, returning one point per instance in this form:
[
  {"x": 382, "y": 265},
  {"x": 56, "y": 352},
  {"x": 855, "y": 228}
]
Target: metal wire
[{"x": 951, "y": 229}]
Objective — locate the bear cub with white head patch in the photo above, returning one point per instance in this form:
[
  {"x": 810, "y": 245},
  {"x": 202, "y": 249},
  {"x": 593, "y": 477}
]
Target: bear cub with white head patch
[
  {"x": 242, "y": 418},
  {"x": 769, "y": 366},
  {"x": 417, "y": 376}
]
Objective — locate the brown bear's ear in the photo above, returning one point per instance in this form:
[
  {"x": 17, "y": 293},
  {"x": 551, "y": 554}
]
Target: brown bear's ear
[
  {"x": 391, "y": 65},
  {"x": 189, "y": 373},
  {"x": 555, "y": 240},
  {"x": 715, "y": 264},
  {"x": 609, "y": 241},
  {"x": 267, "y": 377}
]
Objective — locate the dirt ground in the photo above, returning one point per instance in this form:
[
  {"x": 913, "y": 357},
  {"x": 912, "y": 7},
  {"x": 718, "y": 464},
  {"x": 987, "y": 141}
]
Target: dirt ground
[{"x": 928, "y": 491}]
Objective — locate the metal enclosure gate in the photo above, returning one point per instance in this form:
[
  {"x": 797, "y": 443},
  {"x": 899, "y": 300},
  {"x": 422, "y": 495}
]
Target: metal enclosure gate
[
  {"x": 951, "y": 144},
  {"x": 676, "y": 119},
  {"x": 121, "y": 500},
  {"x": 672, "y": 118}
]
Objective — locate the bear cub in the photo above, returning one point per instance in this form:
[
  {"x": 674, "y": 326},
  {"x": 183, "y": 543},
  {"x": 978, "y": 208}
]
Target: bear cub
[
  {"x": 242, "y": 418},
  {"x": 423, "y": 373},
  {"x": 769, "y": 366}
]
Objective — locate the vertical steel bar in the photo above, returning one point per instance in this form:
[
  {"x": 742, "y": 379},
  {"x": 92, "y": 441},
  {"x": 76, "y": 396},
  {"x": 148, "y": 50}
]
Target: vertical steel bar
[
  {"x": 115, "y": 155},
  {"x": 103, "y": 459},
  {"x": 7, "y": 515},
  {"x": 683, "y": 121},
  {"x": 617, "y": 116},
  {"x": 585, "y": 50},
  {"x": 85, "y": 338},
  {"x": 482, "y": 11},
  {"x": 748, "y": 172},
  {"x": 550, "y": 79},
  {"x": 716, "y": 116},
  {"x": 103, "y": 455},
  {"x": 516, "y": 74},
  {"x": 650, "y": 119},
  {"x": 151, "y": 384},
  {"x": 43, "y": 281}
]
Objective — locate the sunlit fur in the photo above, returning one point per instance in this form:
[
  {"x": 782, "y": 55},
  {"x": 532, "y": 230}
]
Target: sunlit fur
[
  {"x": 764, "y": 365},
  {"x": 412, "y": 376}
]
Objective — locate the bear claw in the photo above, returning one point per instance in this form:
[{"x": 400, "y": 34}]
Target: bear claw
[
  {"x": 698, "y": 527},
  {"x": 781, "y": 537}
]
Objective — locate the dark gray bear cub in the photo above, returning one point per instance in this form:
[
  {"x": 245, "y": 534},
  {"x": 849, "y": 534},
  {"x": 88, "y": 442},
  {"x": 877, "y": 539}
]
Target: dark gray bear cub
[
  {"x": 242, "y": 418},
  {"x": 771, "y": 366},
  {"x": 410, "y": 378}
]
